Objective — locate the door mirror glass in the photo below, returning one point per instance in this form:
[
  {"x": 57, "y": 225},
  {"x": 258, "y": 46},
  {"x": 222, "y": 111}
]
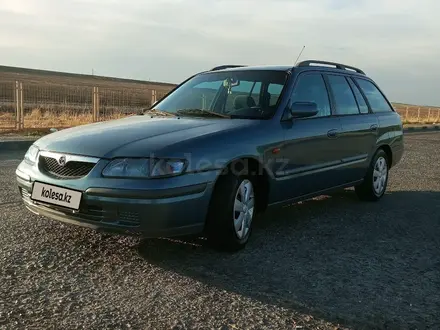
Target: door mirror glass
[{"x": 304, "y": 109}]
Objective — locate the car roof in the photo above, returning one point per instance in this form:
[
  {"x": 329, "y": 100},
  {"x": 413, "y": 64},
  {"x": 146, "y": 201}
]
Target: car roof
[
  {"x": 253, "y": 67},
  {"x": 318, "y": 65}
]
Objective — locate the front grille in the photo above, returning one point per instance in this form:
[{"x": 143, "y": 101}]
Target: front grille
[
  {"x": 128, "y": 218},
  {"x": 72, "y": 169}
]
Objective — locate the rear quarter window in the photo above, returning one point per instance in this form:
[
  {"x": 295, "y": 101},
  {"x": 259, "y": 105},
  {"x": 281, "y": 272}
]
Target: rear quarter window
[
  {"x": 363, "y": 107},
  {"x": 377, "y": 101}
]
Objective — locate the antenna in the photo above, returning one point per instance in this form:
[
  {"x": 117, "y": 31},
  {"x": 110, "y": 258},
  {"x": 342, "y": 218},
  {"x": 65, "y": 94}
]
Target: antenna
[{"x": 299, "y": 55}]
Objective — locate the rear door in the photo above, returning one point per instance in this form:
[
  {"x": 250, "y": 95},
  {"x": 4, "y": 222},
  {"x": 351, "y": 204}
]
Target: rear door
[{"x": 359, "y": 126}]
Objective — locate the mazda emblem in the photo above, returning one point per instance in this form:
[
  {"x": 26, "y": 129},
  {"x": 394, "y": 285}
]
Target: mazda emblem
[{"x": 62, "y": 161}]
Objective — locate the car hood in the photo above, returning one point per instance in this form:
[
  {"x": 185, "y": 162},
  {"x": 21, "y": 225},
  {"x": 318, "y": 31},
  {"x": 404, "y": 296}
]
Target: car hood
[{"x": 134, "y": 136}]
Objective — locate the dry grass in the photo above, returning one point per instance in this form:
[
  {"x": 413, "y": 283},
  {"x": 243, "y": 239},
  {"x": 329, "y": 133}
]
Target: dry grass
[
  {"x": 412, "y": 114},
  {"x": 39, "y": 118}
]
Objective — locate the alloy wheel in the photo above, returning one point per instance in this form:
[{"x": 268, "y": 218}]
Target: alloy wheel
[
  {"x": 243, "y": 208},
  {"x": 380, "y": 175}
]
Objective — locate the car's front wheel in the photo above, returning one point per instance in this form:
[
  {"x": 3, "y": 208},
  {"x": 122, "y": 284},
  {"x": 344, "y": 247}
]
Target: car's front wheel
[
  {"x": 232, "y": 211},
  {"x": 376, "y": 179}
]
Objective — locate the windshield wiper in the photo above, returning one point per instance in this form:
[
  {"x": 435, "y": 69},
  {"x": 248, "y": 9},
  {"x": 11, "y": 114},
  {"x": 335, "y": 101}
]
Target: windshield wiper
[
  {"x": 157, "y": 112},
  {"x": 200, "y": 112}
]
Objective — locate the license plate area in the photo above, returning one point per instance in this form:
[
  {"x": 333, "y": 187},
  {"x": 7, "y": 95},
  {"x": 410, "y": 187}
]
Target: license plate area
[{"x": 55, "y": 195}]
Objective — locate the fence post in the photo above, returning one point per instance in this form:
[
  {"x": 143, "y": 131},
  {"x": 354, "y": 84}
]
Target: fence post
[
  {"x": 203, "y": 101},
  {"x": 438, "y": 116},
  {"x": 95, "y": 104},
  {"x": 17, "y": 106},
  {"x": 429, "y": 114},
  {"x": 153, "y": 96},
  {"x": 406, "y": 114},
  {"x": 21, "y": 106},
  {"x": 418, "y": 115}
]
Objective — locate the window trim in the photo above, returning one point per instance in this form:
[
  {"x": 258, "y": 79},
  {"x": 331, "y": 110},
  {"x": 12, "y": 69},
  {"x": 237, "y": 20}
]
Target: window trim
[
  {"x": 334, "y": 114},
  {"x": 286, "y": 115},
  {"x": 380, "y": 91},
  {"x": 351, "y": 83}
]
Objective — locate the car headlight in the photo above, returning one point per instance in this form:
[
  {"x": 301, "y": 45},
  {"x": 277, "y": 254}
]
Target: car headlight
[
  {"x": 144, "y": 168},
  {"x": 31, "y": 154}
]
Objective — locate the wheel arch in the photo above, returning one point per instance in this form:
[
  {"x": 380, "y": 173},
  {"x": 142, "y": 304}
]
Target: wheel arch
[
  {"x": 388, "y": 151},
  {"x": 254, "y": 168}
]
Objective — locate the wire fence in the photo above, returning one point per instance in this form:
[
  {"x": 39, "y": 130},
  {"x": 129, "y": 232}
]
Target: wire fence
[
  {"x": 44, "y": 105},
  {"x": 8, "y": 111},
  {"x": 418, "y": 115}
]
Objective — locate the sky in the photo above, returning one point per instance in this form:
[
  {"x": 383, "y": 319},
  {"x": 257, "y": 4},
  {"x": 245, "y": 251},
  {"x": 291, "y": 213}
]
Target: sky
[{"x": 396, "y": 42}]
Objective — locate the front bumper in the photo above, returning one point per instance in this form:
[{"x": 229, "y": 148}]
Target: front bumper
[{"x": 148, "y": 208}]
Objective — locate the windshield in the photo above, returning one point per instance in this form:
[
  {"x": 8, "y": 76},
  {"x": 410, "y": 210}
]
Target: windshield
[{"x": 235, "y": 94}]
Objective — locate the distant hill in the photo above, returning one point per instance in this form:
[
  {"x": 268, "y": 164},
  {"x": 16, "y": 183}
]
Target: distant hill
[{"x": 55, "y": 77}]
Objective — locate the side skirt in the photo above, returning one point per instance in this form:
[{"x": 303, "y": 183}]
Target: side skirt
[{"x": 315, "y": 194}]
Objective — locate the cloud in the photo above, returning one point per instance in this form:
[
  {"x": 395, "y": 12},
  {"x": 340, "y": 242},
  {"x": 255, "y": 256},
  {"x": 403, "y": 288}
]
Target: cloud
[{"x": 168, "y": 40}]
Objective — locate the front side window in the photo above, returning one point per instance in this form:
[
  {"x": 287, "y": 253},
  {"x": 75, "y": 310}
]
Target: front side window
[
  {"x": 345, "y": 103},
  {"x": 232, "y": 94},
  {"x": 377, "y": 101},
  {"x": 311, "y": 88}
]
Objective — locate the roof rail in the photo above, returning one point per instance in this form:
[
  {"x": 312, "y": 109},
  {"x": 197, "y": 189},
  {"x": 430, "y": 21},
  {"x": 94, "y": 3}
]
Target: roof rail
[
  {"x": 337, "y": 65},
  {"x": 222, "y": 67}
]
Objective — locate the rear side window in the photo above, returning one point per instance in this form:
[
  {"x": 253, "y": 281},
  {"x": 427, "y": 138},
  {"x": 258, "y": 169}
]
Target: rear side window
[
  {"x": 363, "y": 107},
  {"x": 377, "y": 101},
  {"x": 345, "y": 103}
]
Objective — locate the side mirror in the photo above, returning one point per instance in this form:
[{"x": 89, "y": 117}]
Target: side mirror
[{"x": 303, "y": 109}]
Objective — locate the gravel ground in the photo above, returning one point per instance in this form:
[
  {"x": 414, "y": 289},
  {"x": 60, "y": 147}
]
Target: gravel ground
[{"x": 328, "y": 263}]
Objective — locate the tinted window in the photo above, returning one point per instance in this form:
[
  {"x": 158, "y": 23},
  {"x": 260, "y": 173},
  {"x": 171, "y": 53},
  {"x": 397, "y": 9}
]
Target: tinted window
[
  {"x": 275, "y": 91},
  {"x": 363, "y": 107},
  {"x": 244, "y": 90},
  {"x": 207, "y": 91},
  {"x": 345, "y": 102},
  {"x": 237, "y": 93},
  {"x": 377, "y": 101},
  {"x": 311, "y": 88}
]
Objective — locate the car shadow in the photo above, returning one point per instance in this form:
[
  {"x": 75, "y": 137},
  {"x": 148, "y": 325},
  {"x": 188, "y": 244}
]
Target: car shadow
[{"x": 360, "y": 264}]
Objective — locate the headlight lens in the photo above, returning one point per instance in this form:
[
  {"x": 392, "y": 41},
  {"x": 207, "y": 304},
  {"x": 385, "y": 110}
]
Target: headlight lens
[
  {"x": 31, "y": 154},
  {"x": 163, "y": 167},
  {"x": 143, "y": 168}
]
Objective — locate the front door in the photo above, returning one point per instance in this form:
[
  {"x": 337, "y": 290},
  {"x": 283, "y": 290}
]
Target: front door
[{"x": 312, "y": 151}]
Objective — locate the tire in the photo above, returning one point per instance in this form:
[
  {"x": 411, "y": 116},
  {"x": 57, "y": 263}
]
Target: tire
[
  {"x": 224, "y": 215},
  {"x": 376, "y": 180}
]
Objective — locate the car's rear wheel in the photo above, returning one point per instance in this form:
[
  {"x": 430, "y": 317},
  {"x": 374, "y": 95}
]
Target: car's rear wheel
[
  {"x": 232, "y": 211},
  {"x": 376, "y": 179}
]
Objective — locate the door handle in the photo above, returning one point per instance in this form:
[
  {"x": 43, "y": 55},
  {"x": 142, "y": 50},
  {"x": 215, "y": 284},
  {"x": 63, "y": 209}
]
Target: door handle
[
  {"x": 373, "y": 127},
  {"x": 333, "y": 133}
]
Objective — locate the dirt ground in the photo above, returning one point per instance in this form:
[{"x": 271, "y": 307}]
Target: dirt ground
[{"x": 329, "y": 263}]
